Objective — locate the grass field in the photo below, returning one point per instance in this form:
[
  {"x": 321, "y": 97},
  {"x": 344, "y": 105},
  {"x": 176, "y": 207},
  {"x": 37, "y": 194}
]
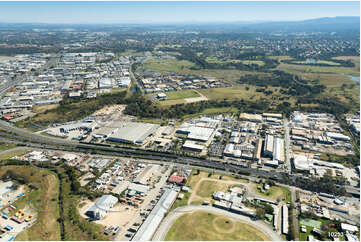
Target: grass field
[
  {"x": 167, "y": 65},
  {"x": 254, "y": 62},
  {"x": 203, "y": 226},
  {"x": 273, "y": 193},
  {"x": 6, "y": 146},
  {"x": 207, "y": 188},
  {"x": 216, "y": 60},
  {"x": 44, "y": 200},
  {"x": 318, "y": 69},
  {"x": 331, "y": 63},
  {"x": 181, "y": 94}
]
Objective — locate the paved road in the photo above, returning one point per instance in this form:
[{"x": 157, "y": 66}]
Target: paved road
[{"x": 176, "y": 213}]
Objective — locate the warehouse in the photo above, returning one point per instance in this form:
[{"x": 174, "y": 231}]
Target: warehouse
[
  {"x": 268, "y": 146},
  {"x": 131, "y": 132},
  {"x": 192, "y": 146},
  {"x": 105, "y": 83},
  {"x": 272, "y": 115},
  {"x": 138, "y": 188},
  {"x": 251, "y": 117},
  {"x": 284, "y": 219},
  {"x": 196, "y": 133},
  {"x": 101, "y": 207},
  {"x": 278, "y": 151},
  {"x": 337, "y": 136},
  {"x": 257, "y": 150},
  {"x": 150, "y": 225},
  {"x": 123, "y": 82}
]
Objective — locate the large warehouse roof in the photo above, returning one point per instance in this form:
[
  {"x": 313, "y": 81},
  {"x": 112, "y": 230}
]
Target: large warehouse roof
[
  {"x": 104, "y": 203},
  {"x": 131, "y": 132},
  {"x": 197, "y": 133},
  {"x": 150, "y": 225}
]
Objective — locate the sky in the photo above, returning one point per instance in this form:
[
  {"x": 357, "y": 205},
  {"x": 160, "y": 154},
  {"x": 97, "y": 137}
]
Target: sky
[{"x": 170, "y": 12}]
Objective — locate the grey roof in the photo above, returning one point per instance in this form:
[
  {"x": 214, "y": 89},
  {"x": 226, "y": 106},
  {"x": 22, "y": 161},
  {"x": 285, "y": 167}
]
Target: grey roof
[{"x": 133, "y": 132}]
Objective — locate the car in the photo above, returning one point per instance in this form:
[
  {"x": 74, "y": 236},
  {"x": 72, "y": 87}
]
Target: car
[{"x": 128, "y": 235}]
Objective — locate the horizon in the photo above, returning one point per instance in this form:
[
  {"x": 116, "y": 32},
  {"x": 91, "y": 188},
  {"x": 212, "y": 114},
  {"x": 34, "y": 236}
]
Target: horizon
[{"x": 146, "y": 13}]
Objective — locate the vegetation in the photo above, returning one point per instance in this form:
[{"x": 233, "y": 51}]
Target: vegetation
[
  {"x": 41, "y": 197},
  {"x": 202, "y": 226}
]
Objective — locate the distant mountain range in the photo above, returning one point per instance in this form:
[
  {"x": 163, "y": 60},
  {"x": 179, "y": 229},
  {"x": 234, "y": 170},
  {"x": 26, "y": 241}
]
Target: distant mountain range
[
  {"x": 335, "y": 24},
  {"x": 349, "y": 25}
]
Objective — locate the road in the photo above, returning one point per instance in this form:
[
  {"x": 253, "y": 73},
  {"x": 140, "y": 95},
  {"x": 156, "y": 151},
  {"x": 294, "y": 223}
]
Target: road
[
  {"x": 176, "y": 213},
  {"x": 287, "y": 142}
]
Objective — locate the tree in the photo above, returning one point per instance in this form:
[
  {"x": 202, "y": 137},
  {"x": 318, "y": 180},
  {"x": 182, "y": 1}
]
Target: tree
[{"x": 260, "y": 213}]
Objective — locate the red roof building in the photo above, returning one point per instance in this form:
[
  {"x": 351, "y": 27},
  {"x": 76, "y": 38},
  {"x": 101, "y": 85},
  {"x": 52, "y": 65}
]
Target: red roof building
[{"x": 175, "y": 179}]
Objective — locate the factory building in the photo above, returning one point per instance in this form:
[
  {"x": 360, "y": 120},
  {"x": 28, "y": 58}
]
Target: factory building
[{"x": 101, "y": 207}]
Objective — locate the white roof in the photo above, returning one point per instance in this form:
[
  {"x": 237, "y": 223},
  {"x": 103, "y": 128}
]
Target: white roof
[
  {"x": 150, "y": 225},
  {"x": 301, "y": 162},
  {"x": 349, "y": 227}
]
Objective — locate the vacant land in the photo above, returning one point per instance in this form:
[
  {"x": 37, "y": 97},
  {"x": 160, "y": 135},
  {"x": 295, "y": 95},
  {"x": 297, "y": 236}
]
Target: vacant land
[
  {"x": 273, "y": 193},
  {"x": 167, "y": 65},
  {"x": 182, "y": 94},
  {"x": 203, "y": 226},
  {"x": 43, "y": 108},
  {"x": 42, "y": 198}
]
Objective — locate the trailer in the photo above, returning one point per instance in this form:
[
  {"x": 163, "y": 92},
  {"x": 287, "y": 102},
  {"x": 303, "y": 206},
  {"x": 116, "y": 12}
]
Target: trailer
[{"x": 19, "y": 221}]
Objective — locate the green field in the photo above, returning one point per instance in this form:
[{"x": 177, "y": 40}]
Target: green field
[
  {"x": 167, "y": 65},
  {"x": 273, "y": 193},
  {"x": 216, "y": 60},
  {"x": 253, "y": 62},
  {"x": 203, "y": 226},
  {"x": 44, "y": 200},
  {"x": 181, "y": 94},
  {"x": 331, "y": 63}
]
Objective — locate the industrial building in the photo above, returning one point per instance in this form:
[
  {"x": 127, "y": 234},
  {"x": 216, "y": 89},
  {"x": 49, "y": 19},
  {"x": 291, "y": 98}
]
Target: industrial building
[
  {"x": 105, "y": 83},
  {"x": 285, "y": 219},
  {"x": 150, "y": 225},
  {"x": 191, "y": 145},
  {"x": 196, "y": 133},
  {"x": 257, "y": 150},
  {"x": 257, "y": 118},
  {"x": 101, "y": 207},
  {"x": 268, "y": 146},
  {"x": 131, "y": 132}
]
